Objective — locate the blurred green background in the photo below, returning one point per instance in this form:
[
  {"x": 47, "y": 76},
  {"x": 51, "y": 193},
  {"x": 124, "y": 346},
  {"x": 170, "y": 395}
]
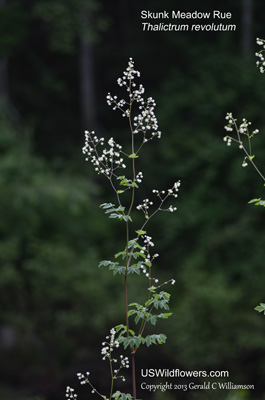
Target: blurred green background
[{"x": 58, "y": 60}]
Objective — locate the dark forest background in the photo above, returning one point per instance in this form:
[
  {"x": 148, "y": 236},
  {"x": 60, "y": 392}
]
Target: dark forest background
[{"x": 58, "y": 60}]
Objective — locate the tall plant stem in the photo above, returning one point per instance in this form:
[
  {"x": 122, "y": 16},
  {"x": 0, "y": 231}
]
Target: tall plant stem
[
  {"x": 111, "y": 386},
  {"x": 126, "y": 308},
  {"x": 126, "y": 278},
  {"x": 128, "y": 259},
  {"x": 256, "y": 168},
  {"x": 133, "y": 375},
  {"x": 248, "y": 154}
]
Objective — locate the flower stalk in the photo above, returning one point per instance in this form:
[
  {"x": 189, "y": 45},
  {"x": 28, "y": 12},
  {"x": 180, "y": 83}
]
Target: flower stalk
[{"x": 112, "y": 162}]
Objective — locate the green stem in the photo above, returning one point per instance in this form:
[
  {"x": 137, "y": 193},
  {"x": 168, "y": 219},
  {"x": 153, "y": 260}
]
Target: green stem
[
  {"x": 256, "y": 168},
  {"x": 252, "y": 162},
  {"x": 127, "y": 250},
  {"x": 126, "y": 278},
  {"x": 249, "y": 146},
  {"x": 249, "y": 156},
  {"x": 111, "y": 372}
]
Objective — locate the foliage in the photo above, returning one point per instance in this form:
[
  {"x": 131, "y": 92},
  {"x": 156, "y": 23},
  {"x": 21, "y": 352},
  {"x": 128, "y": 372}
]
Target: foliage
[
  {"x": 64, "y": 22},
  {"x": 46, "y": 261},
  {"x": 244, "y": 130}
]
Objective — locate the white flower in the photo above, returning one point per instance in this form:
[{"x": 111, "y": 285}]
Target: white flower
[{"x": 70, "y": 393}]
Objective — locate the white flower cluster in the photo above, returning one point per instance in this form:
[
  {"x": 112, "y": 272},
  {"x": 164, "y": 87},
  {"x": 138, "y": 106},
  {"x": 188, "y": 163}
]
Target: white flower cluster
[
  {"x": 244, "y": 163},
  {"x": 228, "y": 140},
  {"x": 229, "y": 128},
  {"x": 125, "y": 362},
  {"x": 163, "y": 195},
  {"x": 231, "y": 121},
  {"x": 261, "y": 62},
  {"x": 145, "y": 121},
  {"x": 118, "y": 104},
  {"x": 129, "y": 74},
  {"x": 70, "y": 393},
  {"x": 108, "y": 346},
  {"x": 109, "y": 160},
  {"x": 145, "y": 250},
  {"x": 147, "y": 274},
  {"x": 83, "y": 378},
  {"x": 145, "y": 206},
  {"x": 242, "y": 129},
  {"x": 107, "y": 350},
  {"x": 148, "y": 241},
  {"x": 139, "y": 177}
]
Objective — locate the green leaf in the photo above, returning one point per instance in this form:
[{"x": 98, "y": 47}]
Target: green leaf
[
  {"x": 257, "y": 202},
  {"x": 114, "y": 215},
  {"x": 124, "y": 181},
  {"x": 138, "y": 254},
  {"x": 113, "y": 266},
  {"x": 120, "y": 209},
  {"x": 162, "y": 338},
  {"x": 126, "y": 218},
  {"x": 254, "y": 201},
  {"x": 131, "y": 312},
  {"x": 116, "y": 395},
  {"x": 121, "y": 253},
  {"x": 132, "y": 341},
  {"x": 133, "y": 155},
  {"x": 118, "y": 270},
  {"x": 107, "y": 263},
  {"x": 148, "y": 341},
  {"x": 140, "y": 232},
  {"x": 164, "y": 315},
  {"x": 121, "y": 396},
  {"x": 134, "y": 269},
  {"x": 155, "y": 339},
  {"x": 128, "y": 341},
  {"x": 119, "y": 327},
  {"x": 260, "y": 308},
  {"x": 106, "y": 205}
]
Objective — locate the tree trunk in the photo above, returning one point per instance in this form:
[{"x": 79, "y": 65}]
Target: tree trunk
[
  {"x": 247, "y": 17},
  {"x": 87, "y": 78},
  {"x": 6, "y": 105},
  {"x": 3, "y": 82},
  {"x": 3, "y": 75}
]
